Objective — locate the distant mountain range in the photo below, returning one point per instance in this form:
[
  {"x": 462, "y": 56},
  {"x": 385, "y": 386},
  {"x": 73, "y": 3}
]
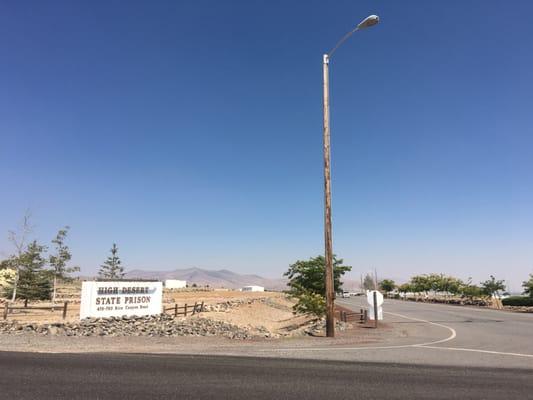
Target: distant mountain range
[{"x": 217, "y": 279}]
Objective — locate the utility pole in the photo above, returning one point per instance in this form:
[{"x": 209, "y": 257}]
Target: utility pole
[
  {"x": 328, "y": 242},
  {"x": 328, "y": 276}
]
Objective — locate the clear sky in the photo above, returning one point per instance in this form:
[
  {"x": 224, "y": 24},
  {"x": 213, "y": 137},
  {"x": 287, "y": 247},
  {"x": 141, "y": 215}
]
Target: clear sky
[{"x": 190, "y": 133}]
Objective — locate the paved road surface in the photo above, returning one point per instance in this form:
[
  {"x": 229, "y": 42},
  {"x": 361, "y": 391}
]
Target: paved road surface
[
  {"x": 417, "y": 334},
  {"x": 446, "y": 335},
  {"x": 115, "y": 376},
  {"x": 449, "y": 353}
]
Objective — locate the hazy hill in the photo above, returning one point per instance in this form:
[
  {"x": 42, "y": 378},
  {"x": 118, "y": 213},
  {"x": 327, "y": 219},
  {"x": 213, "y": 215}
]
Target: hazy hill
[{"x": 202, "y": 277}]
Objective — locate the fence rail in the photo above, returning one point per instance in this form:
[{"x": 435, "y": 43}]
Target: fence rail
[
  {"x": 361, "y": 316},
  {"x": 187, "y": 309},
  {"x": 8, "y": 308}
]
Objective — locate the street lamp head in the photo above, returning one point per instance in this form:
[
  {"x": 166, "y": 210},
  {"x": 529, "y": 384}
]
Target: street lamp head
[{"x": 369, "y": 21}]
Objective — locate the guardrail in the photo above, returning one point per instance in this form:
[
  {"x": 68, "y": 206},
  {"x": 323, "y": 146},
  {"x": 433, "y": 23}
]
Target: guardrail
[
  {"x": 187, "y": 309},
  {"x": 8, "y": 309}
]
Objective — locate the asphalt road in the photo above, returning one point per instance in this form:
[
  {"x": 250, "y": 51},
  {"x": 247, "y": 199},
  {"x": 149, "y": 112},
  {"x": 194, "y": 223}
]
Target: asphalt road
[
  {"x": 448, "y": 335},
  {"x": 134, "y": 376},
  {"x": 448, "y": 352}
]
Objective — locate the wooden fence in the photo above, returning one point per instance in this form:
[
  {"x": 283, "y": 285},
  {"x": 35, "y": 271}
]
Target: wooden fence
[
  {"x": 8, "y": 308},
  {"x": 360, "y": 316},
  {"x": 185, "y": 309}
]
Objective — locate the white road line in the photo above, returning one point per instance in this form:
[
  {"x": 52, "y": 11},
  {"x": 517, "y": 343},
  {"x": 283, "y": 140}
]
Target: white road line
[
  {"x": 478, "y": 351},
  {"x": 451, "y": 337}
]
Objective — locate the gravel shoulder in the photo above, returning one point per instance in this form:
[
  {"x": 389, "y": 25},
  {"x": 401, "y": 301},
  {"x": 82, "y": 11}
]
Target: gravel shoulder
[{"x": 353, "y": 335}]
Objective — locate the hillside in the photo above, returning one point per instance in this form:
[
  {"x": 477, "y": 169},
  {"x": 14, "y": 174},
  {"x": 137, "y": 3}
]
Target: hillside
[{"x": 218, "y": 279}]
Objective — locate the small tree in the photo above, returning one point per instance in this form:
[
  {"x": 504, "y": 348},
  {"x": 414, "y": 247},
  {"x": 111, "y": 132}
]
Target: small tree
[
  {"x": 528, "y": 286},
  {"x": 34, "y": 282},
  {"x": 469, "y": 290},
  {"x": 420, "y": 283},
  {"x": 451, "y": 285},
  {"x": 306, "y": 282},
  {"x": 405, "y": 288},
  {"x": 18, "y": 239},
  {"x": 59, "y": 260},
  {"x": 112, "y": 268},
  {"x": 492, "y": 286},
  {"x": 387, "y": 285}
]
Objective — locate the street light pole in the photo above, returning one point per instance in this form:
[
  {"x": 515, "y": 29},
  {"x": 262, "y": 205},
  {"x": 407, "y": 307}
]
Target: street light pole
[{"x": 328, "y": 241}]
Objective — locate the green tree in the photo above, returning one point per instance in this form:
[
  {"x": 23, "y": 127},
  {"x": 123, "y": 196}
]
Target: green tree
[
  {"x": 492, "y": 286},
  {"x": 59, "y": 260},
  {"x": 434, "y": 282},
  {"x": 528, "y": 286},
  {"x": 34, "y": 281},
  {"x": 469, "y": 290},
  {"x": 306, "y": 283},
  {"x": 405, "y": 288},
  {"x": 443, "y": 284},
  {"x": 387, "y": 285},
  {"x": 112, "y": 268},
  {"x": 451, "y": 285},
  {"x": 420, "y": 284}
]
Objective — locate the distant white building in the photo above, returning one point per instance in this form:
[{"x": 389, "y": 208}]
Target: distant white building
[
  {"x": 253, "y": 289},
  {"x": 175, "y": 284}
]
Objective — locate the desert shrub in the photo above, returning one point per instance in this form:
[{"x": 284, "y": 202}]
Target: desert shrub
[{"x": 519, "y": 301}]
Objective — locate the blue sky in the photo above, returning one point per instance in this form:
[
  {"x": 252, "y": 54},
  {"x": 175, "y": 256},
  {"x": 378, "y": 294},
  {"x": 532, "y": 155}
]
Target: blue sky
[{"x": 190, "y": 133}]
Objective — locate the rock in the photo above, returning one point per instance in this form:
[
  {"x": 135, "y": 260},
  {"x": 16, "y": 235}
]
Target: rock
[
  {"x": 156, "y": 325},
  {"x": 54, "y": 330}
]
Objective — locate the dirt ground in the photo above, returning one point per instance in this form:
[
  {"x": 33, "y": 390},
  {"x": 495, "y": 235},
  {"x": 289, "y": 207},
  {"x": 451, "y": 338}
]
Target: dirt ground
[
  {"x": 212, "y": 296},
  {"x": 274, "y": 314}
]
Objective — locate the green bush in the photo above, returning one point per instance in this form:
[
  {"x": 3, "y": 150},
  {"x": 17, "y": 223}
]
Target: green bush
[
  {"x": 306, "y": 282},
  {"x": 522, "y": 301}
]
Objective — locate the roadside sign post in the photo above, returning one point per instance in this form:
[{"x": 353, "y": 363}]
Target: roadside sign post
[{"x": 375, "y": 302}]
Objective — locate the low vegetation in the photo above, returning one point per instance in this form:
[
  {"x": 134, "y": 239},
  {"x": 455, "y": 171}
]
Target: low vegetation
[
  {"x": 528, "y": 286},
  {"x": 440, "y": 283},
  {"x": 518, "y": 301},
  {"x": 307, "y": 286}
]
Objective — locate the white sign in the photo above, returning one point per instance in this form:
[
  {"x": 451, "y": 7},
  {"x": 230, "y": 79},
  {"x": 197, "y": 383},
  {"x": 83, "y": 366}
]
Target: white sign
[
  {"x": 379, "y": 302},
  {"x": 116, "y": 299}
]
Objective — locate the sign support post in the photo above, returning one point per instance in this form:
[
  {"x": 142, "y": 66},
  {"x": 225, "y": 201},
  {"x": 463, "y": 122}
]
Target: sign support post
[{"x": 375, "y": 309}]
